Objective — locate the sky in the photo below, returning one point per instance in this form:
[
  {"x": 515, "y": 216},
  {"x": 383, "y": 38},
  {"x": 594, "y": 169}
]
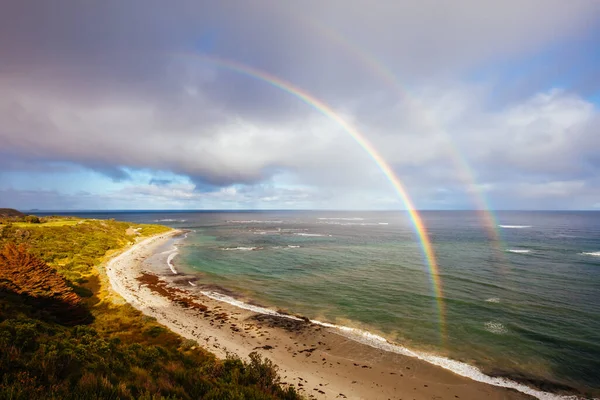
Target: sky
[{"x": 122, "y": 105}]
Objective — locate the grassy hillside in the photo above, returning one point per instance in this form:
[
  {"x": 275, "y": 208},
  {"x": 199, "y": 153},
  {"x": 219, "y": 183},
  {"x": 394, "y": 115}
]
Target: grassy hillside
[
  {"x": 61, "y": 336},
  {"x": 11, "y": 213}
]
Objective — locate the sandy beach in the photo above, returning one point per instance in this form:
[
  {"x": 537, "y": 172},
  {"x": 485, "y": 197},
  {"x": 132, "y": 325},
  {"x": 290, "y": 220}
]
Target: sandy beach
[{"x": 317, "y": 360}]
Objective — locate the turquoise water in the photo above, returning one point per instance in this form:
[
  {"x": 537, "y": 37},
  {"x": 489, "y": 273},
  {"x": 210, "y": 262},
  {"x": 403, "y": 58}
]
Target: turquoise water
[{"x": 527, "y": 307}]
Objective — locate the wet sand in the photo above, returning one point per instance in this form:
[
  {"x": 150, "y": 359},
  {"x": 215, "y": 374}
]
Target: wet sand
[{"x": 318, "y": 361}]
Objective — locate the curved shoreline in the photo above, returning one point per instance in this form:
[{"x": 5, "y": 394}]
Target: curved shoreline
[
  {"x": 285, "y": 338},
  {"x": 379, "y": 342}
]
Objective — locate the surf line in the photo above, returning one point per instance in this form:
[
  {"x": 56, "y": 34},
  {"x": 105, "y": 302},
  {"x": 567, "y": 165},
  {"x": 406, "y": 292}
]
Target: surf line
[{"x": 326, "y": 110}]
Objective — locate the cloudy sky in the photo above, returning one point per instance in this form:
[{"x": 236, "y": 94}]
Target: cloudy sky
[{"x": 121, "y": 105}]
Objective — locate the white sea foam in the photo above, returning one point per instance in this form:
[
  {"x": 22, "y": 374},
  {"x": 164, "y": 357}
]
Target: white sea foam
[
  {"x": 595, "y": 253},
  {"x": 309, "y": 234},
  {"x": 173, "y": 252},
  {"x": 493, "y": 300},
  {"x": 240, "y": 304},
  {"x": 241, "y": 248},
  {"x": 519, "y": 251},
  {"x": 514, "y": 226},
  {"x": 292, "y": 246},
  {"x": 169, "y": 220},
  {"x": 253, "y": 221},
  {"x": 495, "y": 327},
  {"x": 457, "y": 367},
  {"x": 342, "y": 219},
  {"x": 192, "y": 283},
  {"x": 170, "y": 260},
  {"x": 352, "y": 223},
  {"x": 382, "y": 343}
]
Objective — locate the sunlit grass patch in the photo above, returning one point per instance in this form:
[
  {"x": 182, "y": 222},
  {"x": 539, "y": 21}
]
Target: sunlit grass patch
[{"x": 52, "y": 222}]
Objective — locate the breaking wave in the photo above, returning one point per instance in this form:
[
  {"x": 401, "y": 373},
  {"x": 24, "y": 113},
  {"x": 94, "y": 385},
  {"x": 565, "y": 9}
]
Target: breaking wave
[
  {"x": 253, "y": 221},
  {"x": 493, "y": 300},
  {"x": 241, "y": 248},
  {"x": 379, "y": 342},
  {"x": 519, "y": 251},
  {"x": 595, "y": 253},
  {"x": 240, "y": 304},
  {"x": 495, "y": 327},
  {"x": 514, "y": 226},
  {"x": 174, "y": 251},
  {"x": 341, "y": 219},
  {"x": 353, "y": 223},
  {"x": 170, "y": 260}
]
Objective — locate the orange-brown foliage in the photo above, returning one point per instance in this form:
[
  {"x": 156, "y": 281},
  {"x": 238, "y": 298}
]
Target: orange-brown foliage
[{"x": 24, "y": 274}]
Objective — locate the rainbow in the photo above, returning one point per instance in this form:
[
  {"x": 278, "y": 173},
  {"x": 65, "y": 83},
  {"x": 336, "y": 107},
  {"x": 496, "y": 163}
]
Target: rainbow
[
  {"x": 326, "y": 110},
  {"x": 489, "y": 221}
]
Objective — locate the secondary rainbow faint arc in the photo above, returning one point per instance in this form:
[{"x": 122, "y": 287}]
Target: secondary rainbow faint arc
[
  {"x": 326, "y": 110},
  {"x": 490, "y": 222}
]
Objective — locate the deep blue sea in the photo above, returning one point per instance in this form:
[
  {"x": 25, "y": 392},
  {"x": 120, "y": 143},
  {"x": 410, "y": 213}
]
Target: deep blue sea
[{"x": 522, "y": 300}]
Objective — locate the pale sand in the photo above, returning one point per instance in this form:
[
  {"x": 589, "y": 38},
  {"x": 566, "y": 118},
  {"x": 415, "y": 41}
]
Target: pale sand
[{"x": 319, "y": 362}]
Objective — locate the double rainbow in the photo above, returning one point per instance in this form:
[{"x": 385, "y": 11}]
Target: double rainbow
[
  {"x": 382, "y": 72},
  {"x": 326, "y": 110}
]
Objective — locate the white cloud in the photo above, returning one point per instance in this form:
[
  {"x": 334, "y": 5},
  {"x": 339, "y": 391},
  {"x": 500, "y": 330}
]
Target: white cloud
[
  {"x": 539, "y": 139},
  {"x": 87, "y": 98}
]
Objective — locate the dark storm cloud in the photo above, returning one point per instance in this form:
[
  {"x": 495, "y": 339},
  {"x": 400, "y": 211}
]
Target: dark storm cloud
[
  {"x": 116, "y": 86},
  {"x": 99, "y": 52}
]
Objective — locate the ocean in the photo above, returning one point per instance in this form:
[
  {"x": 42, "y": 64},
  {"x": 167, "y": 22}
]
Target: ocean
[{"x": 520, "y": 299}]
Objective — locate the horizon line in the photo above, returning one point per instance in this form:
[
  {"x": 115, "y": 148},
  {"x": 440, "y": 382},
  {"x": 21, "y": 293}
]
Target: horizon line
[{"x": 281, "y": 209}]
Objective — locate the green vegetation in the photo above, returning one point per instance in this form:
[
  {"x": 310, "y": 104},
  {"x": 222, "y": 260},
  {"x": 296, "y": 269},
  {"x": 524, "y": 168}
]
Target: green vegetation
[
  {"x": 61, "y": 336},
  {"x": 30, "y": 222},
  {"x": 74, "y": 246}
]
